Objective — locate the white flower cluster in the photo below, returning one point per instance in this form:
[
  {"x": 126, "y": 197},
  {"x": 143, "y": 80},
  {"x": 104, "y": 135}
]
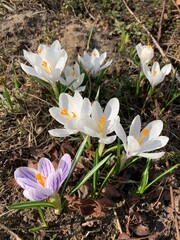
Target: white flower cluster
[{"x": 155, "y": 75}]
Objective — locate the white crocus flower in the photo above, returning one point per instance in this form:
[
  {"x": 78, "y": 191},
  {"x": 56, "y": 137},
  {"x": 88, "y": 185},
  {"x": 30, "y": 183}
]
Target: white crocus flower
[
  {"x": 70, "y": 111},
  {"x": 140, "y": 143},
  {"x": 101, "y": 123},
  {"x": 145, "y": 53},
  {"x": 156, "y": 75},
  {"x": 47, "y": 64},
  {"x": 93, "y": 63},
  {"x": 73, "y": 78}
]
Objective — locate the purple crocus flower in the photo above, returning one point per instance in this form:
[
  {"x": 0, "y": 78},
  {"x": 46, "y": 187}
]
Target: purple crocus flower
[{"x": 42, "y": 183}]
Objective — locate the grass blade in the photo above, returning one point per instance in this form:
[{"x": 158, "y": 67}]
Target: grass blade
[
  {"x": 89, "y": 174},
  {"x": 76, "y": 159},
  {"x": 31, "y": 204}
]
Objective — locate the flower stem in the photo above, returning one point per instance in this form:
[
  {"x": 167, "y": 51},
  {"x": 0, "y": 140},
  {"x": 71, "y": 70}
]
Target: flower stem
[
  {"x": 56, "y": 91},
  {"x": 101, "y": 149},
  {"x": 55, "y": 199}
]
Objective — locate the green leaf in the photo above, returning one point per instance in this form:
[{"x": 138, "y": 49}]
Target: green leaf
[
  {"x": 31, "y": 204},
  {"x": 144, "y": 178},
  {"x": 89, "y": 174},
  {"x": 162, "y": 175},
  {"x": 8, "y": 98},
  {"x": 35, "y": 229},
  {"x": 76, "y": 159}
]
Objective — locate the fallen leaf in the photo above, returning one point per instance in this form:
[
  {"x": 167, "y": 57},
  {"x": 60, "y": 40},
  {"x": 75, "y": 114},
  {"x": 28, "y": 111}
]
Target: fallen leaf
[
  {"x": 140, "y": 230},
  {"x": 91, "y": 207},
  {"x": 123, "y": 236},
  {"x": 12, "y": 182}
]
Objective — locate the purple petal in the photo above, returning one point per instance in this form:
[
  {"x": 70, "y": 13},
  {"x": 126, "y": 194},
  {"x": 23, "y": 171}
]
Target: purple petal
[
  {"x": 45, "y": 167},
  {"x": 65, "y": 165},
  {"x": 54, "y": 181},
  {"x": 27, "y": 183},
  {"x": 37, "y": 194},
  {"x": 26, "y": 172}
]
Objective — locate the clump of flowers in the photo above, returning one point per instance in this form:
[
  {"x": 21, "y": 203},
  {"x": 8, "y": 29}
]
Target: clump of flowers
[
  {"x": 140, "y": 143},
  {"x": 70, "y": 111},
  {"x": 47, "y": 63},
  {"x": 73, "y": 78},
  {"x": 93, "y": 63}
]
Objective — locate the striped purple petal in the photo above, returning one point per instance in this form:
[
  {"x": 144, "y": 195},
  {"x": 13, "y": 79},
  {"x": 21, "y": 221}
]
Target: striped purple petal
[
  {"x": 65, "y": 165},
  {"x": 54, "y": 181},
  {"x": 27, "y": 183},
  {"x": 45, "y": 167},
  {"x": 37, "y": 194},
  {"x": 27, "y": 173}
]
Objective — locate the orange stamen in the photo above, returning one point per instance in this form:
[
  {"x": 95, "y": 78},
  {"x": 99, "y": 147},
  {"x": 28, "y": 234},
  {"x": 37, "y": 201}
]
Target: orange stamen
[
  {"x": 46, "y": 67},
  {"x": 145, "y": 132},
  {"x": 94, "y": 54},
  {"x": 155, "y": 72},
  {"x": 101, "y": 123},
  {"x": 41, "y": 179},
  {"x": 149, "y": 46},
  {"x": 65, "y": 112},
  {"x": 73, "y": 74},
  {"x": 39, "y": 50}
]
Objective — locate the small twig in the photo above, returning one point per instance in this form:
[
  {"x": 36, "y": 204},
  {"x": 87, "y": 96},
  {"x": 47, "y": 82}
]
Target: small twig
[
  {"x": 87, "y": 10},
  {"x": 161, "y": 19},
  {"x": 14, "y": 235},
  {"x": 118, "y": 222},
  {"x": 173, "y": 207},
  {"x": 176, "y": 5}
]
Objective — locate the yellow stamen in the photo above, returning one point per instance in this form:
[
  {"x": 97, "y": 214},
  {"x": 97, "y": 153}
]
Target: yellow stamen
[
  {"x": 67, "y": 115},
  {"x": 73, "y": 74},
  {"x": 101, "y": 123},
  {"x": 149, "y": 46},
  {"x": 41, "y": 179},
  {"x": 39, "y": 50},
  {"x": 145, "y": 132},
  {"x": 46, "y": 67},
  {"x": 94, "y": 54},
  {"x": 74, "y": 115},
  {"x": 155, "y": 72}
]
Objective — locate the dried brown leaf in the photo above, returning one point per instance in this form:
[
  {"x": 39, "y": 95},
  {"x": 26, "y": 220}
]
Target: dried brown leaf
[
  {"x": 140, "y": 230},
  {"x": 12, "y": 182},
  {"x": 91, "y": 207},
  {"x": 123, "y": 236}
]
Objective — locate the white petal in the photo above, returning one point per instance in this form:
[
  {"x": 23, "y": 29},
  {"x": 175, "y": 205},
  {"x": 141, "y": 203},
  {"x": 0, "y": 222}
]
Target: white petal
[
  {"x": 133, "y": 147},
  {"x": 107, "y": 140},
  {"x": 154, "y": 144},
  {"x": 62, "y": 60},
  {"x": 120, "y": 132},
  {"x": 77, "y": 69},
  {"x": 62, "y": 81},
  {"x": 97, "y": 111},
  {"x": 31, "y": 71},
  {"x": 152, "y": 155},
  {"x": 105, "y": 65},
  {"x": 61, "y": 132},
  {"x": 56, "y": 114},
  {"x": 86, "y": 108},
  {"x": 166, "y": 69},
  {"x": 147, "y": 54},
  {"x": 155, "y": 128},
  {"x": 155, "y": 67},
  {"x": 135, "y": 127},
  {"x": 139, "y": 49},
  {"x": 112, "y": 109}
]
